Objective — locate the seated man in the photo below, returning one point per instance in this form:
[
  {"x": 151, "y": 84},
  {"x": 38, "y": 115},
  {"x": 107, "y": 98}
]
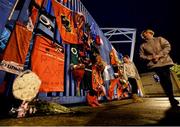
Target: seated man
[{"x": 131, "y": 74}]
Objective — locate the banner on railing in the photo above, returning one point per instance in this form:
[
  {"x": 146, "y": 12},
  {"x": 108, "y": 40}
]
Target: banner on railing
[
  {"x": 47, "y": 62},
  {"x": 69, "y": 23}
]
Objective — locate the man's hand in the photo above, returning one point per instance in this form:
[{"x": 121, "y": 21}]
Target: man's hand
[{"x": 155, "y": 58}]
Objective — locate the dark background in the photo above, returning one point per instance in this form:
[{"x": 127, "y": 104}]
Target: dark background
[{"x": 162, "y": 16}]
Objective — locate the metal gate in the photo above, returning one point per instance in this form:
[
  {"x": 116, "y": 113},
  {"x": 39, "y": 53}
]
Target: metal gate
[{"x": 123, "y": 39}]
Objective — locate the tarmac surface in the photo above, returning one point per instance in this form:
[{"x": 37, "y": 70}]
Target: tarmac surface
[{"x": 153, "y": 111}]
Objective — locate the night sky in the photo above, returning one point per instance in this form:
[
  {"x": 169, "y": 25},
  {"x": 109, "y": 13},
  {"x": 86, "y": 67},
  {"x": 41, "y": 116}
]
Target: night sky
[{"x": 162, "y": 16}]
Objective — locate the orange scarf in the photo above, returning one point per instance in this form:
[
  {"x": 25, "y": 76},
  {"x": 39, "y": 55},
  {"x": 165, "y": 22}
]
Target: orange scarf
[
  {"x": 48, "y": 63},
  {"x": 15, "y": 53}
]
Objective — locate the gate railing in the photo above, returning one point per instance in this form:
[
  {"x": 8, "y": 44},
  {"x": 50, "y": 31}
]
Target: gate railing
[
  {"x": 121, "y": 36},
  {"x": 68, "y": 96}
]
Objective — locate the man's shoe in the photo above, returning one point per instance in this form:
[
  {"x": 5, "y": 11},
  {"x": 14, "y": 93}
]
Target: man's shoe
[{"x": 174, "y": 103}]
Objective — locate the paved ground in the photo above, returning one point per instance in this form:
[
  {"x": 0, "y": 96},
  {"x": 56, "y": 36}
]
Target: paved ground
[{"x": 153, "y": 111}]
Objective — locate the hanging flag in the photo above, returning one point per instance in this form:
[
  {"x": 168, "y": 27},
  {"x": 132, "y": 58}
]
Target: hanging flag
[
  {"x": 92, "y": 98},
  {"x": 48, "y": 63},
  {"x": 96, "y": 78},
  {"x": 113, "y": 57},
  {"x": 65, "y": 1},
  {"x": 113, "y": 83},
  {"x": 65, "y": 22},
  {"x": 34, "y": 15},
  {"x": 46, "y": 25},
  {"x": 98, "y": 40},
  {"x": 34, "y": 10},
  {"x": 79, "y": 23},
  {"x": 74, "y": 54},
  {"x": 14, "y": 55},
  {"x": 39, "y": 2}
]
